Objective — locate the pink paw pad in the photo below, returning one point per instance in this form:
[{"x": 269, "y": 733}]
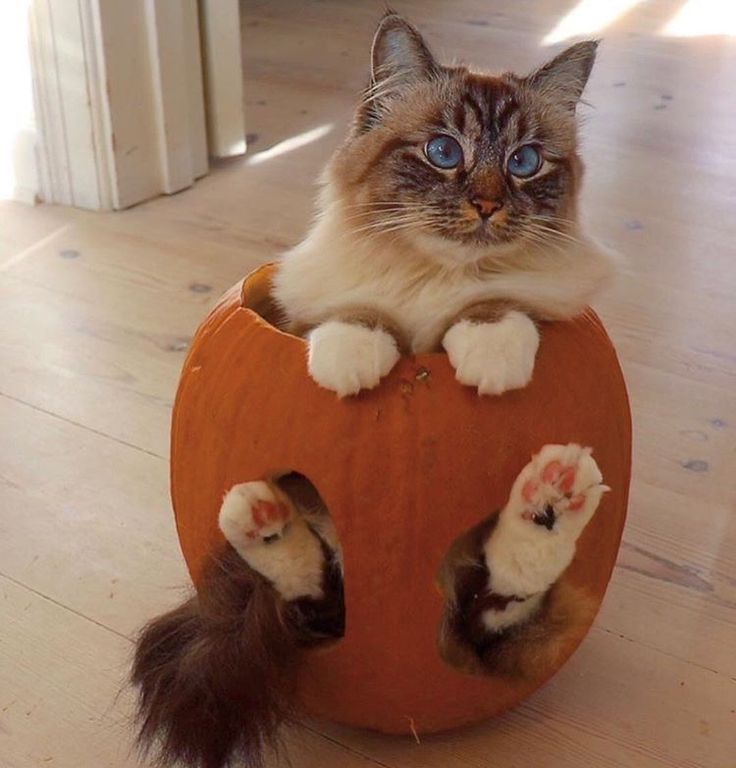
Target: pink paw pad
[
  {"x": 552, "y": 485},
  {"x": 267, "y": 513},
  {"x": 530, "y": 490},
  {"x": 576, "y": 503},
  {"x": 560, "y": 476}
]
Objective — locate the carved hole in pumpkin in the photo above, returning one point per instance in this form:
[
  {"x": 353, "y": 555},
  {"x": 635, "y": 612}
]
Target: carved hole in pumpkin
[{"x": 323, "y": 619}]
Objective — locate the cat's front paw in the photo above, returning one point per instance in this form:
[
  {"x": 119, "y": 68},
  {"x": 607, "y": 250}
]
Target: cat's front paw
[
  {"x": 252, "y": 513},
  {"x": 494, "y": 357},
  {"x": 346, "y": 357}
]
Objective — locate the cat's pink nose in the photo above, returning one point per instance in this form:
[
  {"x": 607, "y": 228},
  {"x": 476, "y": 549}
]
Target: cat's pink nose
[{"x": 486, "y": 208}]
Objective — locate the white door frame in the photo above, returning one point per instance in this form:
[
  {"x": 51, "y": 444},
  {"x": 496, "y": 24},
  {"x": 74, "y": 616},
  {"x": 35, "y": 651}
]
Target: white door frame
[
  {"x": 18, "y": 163},
  {"x": 221, "y": 49},
  {"x": 120, "y": 96}
]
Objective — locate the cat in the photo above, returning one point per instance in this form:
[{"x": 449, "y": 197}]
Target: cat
[{"x": 448, "y": 220}]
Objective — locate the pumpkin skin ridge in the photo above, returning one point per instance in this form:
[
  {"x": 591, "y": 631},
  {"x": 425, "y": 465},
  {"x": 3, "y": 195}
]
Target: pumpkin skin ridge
[{"x": 336, "y": 681}]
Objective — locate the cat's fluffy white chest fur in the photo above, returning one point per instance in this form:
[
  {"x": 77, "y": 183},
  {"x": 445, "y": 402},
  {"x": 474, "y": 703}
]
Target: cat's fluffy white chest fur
[
  {"x": 421, "y": 291},
  {"x": 315, "y": 288}
]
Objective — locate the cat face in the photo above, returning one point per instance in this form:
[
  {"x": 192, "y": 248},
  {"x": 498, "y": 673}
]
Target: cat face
[{"x": 442, "y": 154}]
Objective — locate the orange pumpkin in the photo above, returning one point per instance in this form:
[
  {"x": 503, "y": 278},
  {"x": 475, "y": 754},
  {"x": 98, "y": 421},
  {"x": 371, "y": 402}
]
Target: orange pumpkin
[{"x": 404, "y": 469}]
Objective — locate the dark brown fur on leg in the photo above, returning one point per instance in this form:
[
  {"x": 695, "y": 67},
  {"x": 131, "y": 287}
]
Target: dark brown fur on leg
[
  {"x": 529, "y": 650},
  {"x": 533, "y": 649},
  {"x": 215, "y": 676}
]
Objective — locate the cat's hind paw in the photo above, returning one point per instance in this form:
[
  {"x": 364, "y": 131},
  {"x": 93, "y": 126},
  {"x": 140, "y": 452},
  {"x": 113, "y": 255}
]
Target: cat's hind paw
[
  {"x": 267, "y": 531},
  {"x": 559, "y": 489},
  {"x": 252, "y": 513},
  {"x": 552, "y": 500}
]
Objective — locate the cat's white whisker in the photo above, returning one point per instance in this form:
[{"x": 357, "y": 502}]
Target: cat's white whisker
[
  {"x": 551, "y": 233},
  {"x": 395, "y": 219},
  {"x": 364, "y": 215}
]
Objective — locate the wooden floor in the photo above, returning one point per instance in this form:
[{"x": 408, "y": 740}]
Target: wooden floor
[{"x": 96, "y": 312}]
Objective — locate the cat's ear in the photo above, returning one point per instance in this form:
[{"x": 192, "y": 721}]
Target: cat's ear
[
  {"x": 399, "y": 52},
  {"x": 399, "y": 57},
  {"x": 564, "y": 77}
]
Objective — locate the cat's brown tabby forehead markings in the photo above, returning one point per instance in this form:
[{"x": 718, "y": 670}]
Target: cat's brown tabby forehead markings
[{"x": 490, "y": 125}]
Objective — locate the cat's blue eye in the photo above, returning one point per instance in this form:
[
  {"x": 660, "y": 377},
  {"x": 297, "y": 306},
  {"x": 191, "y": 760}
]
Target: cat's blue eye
[
  {"x": 444, "y": 152},
  {"x": 524, "y": 162}
]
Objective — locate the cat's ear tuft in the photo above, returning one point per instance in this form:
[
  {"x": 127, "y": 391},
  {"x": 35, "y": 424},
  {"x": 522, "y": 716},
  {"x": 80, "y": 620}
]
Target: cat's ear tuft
[
  {"x": 399, "y": 57},
  {"x": 564, "y": 77}
]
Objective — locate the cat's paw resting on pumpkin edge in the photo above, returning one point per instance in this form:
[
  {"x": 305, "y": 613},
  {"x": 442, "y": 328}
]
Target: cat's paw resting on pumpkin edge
[
  {"x": 494, "y": 357},
  {"x": 348, "y": 357}
]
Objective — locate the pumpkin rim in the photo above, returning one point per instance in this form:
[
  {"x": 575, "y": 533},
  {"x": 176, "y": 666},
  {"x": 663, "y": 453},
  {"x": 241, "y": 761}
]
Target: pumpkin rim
[{"x": 261, "y": 276}]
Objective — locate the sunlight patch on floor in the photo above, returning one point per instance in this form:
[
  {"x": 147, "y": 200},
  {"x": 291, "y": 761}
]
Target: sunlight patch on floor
[
  {"x": 703, "y": 17},
  {"x": 589, "y": 17},
  {"x": 292, "y": 143}
]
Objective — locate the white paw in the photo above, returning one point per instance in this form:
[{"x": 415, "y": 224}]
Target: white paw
[
  {"x": 264, "y": 528},
  {"x": 552, "y": 500},
  {"x": 251, "y": 513},
  {"x": 345, "y": 357},
  {"x": 559, "y": 490},
  {"x": 494, "y": 357}
]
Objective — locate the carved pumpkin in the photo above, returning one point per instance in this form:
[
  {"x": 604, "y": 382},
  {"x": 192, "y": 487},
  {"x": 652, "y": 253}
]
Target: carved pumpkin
[{"x": 404, "y": 470}]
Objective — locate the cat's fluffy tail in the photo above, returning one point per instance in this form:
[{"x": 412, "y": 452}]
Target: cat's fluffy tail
[{"x": 215, "y": 676}]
